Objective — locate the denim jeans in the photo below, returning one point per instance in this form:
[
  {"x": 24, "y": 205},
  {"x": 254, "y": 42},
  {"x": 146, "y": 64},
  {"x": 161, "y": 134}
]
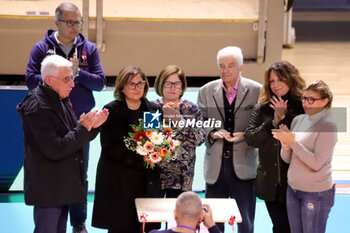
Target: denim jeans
[{"x": 308, "y": 211}]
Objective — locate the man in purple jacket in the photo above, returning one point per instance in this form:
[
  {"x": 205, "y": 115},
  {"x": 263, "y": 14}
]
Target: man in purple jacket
[{"x": 68, "y": 42}]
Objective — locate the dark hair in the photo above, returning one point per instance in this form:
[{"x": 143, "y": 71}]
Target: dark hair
[
  {"x": 125, "y": 75},
  {"x": 323, "y": 89},
  {"x": 164, "y": 74},
  {"x": 66, "y": 6},
  {"x": 288, "y": 74}
]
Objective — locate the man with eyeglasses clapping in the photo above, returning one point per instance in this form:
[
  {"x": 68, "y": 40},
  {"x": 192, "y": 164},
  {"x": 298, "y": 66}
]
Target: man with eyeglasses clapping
[
  {"x": 68, "y": 42},
  {"x": 53, "y": 146}
]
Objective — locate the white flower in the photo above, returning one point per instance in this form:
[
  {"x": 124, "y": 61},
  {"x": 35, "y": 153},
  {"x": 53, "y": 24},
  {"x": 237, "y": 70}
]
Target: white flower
[
  {"x": 157, "y": 138},
  {"x": 141, "y": 151}
]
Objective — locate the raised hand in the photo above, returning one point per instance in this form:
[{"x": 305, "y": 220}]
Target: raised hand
[
  {"x": 75, "y": 64},
  {"x": 280, "y": 107}
]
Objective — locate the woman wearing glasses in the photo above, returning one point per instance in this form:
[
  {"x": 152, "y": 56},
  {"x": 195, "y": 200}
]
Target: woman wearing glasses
[
  {"x": 279, "y": 103},
  {"x": 308, "y": 148},
  {"x": 177, "y": 176},
  {"x": 120, "y": 173}
]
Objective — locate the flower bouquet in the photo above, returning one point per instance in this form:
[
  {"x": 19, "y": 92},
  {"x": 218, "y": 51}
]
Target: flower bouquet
[{"x": 155, "y": 145}]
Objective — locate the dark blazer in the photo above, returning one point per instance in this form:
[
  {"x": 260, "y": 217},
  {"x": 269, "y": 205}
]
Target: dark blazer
[
  {"x": 53, "y": 155},
  {"x": 272, "y": 170},
  {"x": 121, "y": 176}
]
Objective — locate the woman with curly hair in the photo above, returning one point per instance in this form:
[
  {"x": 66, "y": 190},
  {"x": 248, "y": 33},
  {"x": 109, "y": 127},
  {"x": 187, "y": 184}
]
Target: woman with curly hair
[{"x": 279, "y": 102}]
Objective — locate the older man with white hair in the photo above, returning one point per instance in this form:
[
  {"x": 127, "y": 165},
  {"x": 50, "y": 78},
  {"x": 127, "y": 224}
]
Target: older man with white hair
[
  {"x": 53, "y": 142},
  {"x": 230, "y": 163},
  {"x": 68, "y": 42}
]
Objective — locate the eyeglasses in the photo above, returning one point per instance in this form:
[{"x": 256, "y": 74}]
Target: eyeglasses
[
  {"x": 310, "y": 100},
  {"x": 71, "y": 23},
  {"x": 139, "y": 85},
  {"x": 65, "y": 79},
  {"x": 177, "y": 85}
]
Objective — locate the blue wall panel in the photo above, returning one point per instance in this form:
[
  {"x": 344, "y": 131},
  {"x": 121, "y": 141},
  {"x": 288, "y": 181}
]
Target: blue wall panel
[{"x": 11, "y": 137}]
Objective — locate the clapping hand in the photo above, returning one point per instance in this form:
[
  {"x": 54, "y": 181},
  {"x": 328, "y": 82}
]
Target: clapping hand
[
  {"x": 75, "y": 64},
  {"x": 100, "y": 118},
  {"x": 93, "y": 119},
  {"x": 285, "y": 136},
  {"x": 280, "y": 107},
  {"x": 171, "y": 111}
]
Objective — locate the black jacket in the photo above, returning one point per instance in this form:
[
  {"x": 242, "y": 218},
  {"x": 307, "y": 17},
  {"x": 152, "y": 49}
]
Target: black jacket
[
  {"x": 53, "y": 155},
  {"x": 272, "y": 170},
  {"x": 121, "y": 176}
]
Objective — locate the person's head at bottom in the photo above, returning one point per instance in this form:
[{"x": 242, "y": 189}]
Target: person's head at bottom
[{"x": 189, "y": 213}]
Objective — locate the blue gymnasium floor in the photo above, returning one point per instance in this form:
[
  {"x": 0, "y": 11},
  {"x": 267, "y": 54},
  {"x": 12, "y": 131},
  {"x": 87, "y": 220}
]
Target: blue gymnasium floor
[{"x": 16, "y": 217}]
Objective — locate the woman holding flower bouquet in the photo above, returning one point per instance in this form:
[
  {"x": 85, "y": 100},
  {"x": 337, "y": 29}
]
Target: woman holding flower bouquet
[
  {"x": 121, "y": 173},
  {"x": 177, "y": 175}
]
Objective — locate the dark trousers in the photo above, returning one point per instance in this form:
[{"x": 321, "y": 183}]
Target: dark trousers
[
  {"x": 229, "y": 185},
  {"x": 154, "y": 191},
  {"x": 78, "y": 211},
  {"x": 279, "y": 216},
  {"x": 171, "y": 193},
  {"x": 50, "y": 220}
]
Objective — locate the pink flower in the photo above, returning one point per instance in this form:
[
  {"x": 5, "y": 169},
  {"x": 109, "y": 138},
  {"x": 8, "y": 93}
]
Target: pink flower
[
  {"x": 173, "y": 144},
  {"x": 148, "y": 146},
  {"x": 154, "y": 158}
]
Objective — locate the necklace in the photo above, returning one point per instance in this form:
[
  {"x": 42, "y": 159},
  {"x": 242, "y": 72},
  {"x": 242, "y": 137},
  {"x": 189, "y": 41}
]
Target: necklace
[{"x": 190, "y": 228}]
